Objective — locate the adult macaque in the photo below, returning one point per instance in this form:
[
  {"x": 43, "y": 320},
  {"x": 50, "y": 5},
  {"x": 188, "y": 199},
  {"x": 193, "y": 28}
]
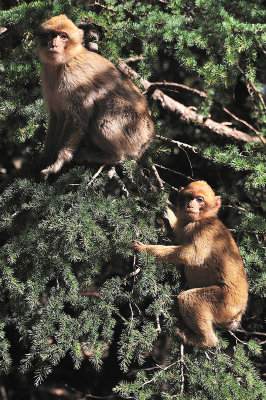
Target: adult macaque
[
  {"x": 95, "y": 111},
  {"x": 213, "y": 267}
]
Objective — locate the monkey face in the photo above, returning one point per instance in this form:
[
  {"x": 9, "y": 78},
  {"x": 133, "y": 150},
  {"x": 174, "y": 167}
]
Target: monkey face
[
  {"x": 191, "y": 206},
  {"x": 59, "y": 40},
  {"x": 53, "y": 45},
  {"x": 197, "y": 201}
]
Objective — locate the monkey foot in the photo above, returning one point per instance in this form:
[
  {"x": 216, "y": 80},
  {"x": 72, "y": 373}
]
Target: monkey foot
[
  {"x": 196, "y": 340},
  {"x": 45, "y": 173}
]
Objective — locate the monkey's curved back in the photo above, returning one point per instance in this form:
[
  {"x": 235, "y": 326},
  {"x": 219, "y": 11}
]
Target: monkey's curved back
[{"x": 92, "y": 95}]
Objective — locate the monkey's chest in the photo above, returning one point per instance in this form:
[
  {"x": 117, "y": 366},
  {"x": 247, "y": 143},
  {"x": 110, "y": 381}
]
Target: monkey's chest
[
  {"x": 56, "y": 101},
  {"x": 199, "y": 276},
  {"x": 56, "y": 95}
]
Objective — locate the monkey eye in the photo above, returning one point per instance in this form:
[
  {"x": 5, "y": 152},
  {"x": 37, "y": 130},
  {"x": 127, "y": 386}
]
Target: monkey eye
[
  {"x": 200, "y": 200},
  {"x": 64, "y": 36}
]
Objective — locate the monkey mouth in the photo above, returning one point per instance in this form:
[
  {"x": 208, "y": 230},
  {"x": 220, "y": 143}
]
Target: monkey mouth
[
  {"x": 52, "y": 52},
  {"x": 190, "y": 212},
  {"x": 191, "y": 215}
]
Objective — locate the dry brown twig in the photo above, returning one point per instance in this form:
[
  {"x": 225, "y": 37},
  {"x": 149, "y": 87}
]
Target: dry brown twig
[
  {"x": 182, "y": 370},
  {"x": 179, "y": 144},
  {"x": 174, "y": 172},
  {"x": 190, "y": 115},
  {"x": 157, "y": 176}
]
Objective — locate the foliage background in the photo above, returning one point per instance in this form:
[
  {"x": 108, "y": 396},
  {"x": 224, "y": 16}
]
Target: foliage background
[{"x": 77, "y": 308}]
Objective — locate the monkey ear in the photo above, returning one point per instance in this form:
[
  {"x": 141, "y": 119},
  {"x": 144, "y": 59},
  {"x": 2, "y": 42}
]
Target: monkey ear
[{"x": 218, "y": 202}]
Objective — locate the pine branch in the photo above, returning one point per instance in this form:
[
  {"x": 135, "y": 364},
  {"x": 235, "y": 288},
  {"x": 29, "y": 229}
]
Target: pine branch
[{"x": 187, "y": 113}]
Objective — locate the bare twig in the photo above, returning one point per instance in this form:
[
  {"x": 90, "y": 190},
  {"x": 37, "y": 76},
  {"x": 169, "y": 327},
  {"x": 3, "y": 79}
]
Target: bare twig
[
  {"x": 151, "y": 85},
  {"x": 249, "y": 83},
  {"x": 179, "y": 144},
  {"x": 157, "y": 176},
  {"x": 86, "y": 396},
  {"x": 133, "y": 74},
  {"x": 134, "y": 59},
  {"x": 3, "y": 29},
  {"x": 182, "y": 369},
  {"x": 250, "y": 333},
  {"x": 245, "y": 123},
  {"x": 134, "y": 273},
  {"x": 246, "y": 231},
  {"x": 96, "y": 175},
  {"x": 174, "y": 172},
  {"x": 178, "y": 85},
  {"x": 237, "y": 339},
  {"x": 162, "y": 370}
]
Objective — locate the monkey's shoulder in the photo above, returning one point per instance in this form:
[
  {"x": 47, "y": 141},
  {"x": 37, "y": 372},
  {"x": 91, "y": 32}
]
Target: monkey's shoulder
[
  {"x": 210, "y": 230},
  {"x": 93, "y": 61}
]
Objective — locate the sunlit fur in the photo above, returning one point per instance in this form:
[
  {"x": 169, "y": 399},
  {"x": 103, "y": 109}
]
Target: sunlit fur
[
  {"x": 213, "y": 267},
  {"x": 95, "y": 112}
]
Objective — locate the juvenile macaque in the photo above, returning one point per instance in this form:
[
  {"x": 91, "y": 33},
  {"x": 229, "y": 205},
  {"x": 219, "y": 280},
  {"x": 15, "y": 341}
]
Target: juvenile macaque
[
  {"x": 213, "y": 267},
  {"x": 95, "y": 111}
]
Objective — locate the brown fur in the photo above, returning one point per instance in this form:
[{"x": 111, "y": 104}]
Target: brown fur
[
  {"x": 95, "y": 111},
  {"x": 213, "y": 266}
]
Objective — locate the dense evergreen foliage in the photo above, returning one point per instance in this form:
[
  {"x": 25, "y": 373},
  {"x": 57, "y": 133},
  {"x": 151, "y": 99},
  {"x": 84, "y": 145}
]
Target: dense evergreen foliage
[{"x": 70, "y": 286}]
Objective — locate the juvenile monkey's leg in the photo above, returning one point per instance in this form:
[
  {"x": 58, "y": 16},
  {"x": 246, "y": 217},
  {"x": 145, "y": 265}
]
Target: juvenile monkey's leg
[{"x": 197, "y": 307}]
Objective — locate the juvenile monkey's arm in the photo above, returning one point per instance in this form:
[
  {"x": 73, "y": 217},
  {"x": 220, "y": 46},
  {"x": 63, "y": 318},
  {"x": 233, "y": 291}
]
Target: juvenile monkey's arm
[{"x": 173, "y": 254}]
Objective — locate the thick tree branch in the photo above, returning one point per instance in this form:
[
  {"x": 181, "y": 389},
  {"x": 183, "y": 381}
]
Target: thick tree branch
[
  {"x": 191, "y": 116},
  {"x": 188, "y": 113}
]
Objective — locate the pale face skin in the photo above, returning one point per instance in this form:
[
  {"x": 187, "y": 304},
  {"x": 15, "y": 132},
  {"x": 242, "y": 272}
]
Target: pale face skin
[
  {"x": 54, "y": 45},
  {"x": 192, "y": 207}
]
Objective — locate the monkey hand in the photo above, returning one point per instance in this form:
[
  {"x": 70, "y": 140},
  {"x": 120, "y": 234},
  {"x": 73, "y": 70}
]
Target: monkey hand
[
  {"x": 46, "y": 172},
  {"x": 137, "y": 246},
  {"x": 52, "y": 169},
  {"x": 162, "y": 217}
]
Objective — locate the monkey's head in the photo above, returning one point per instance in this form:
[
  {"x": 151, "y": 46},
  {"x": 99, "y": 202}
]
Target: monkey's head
[
  {"x": 197, "y": 201},
  {"x": 59, "y": 40}
]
